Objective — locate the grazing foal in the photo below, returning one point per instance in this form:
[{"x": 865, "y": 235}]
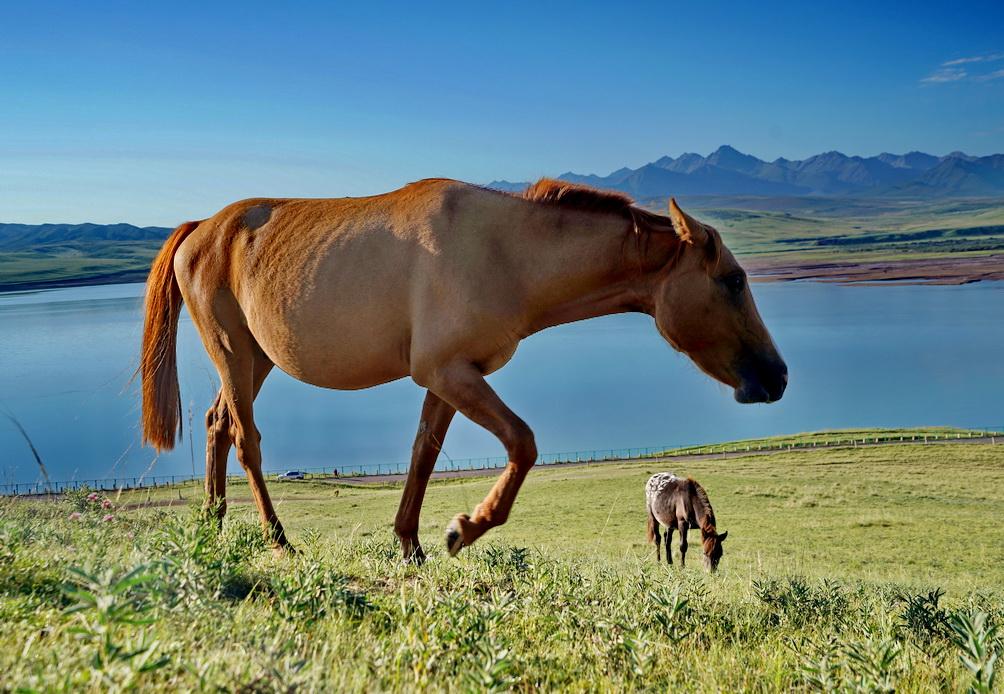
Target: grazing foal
[{"x": 683, "y": 504}]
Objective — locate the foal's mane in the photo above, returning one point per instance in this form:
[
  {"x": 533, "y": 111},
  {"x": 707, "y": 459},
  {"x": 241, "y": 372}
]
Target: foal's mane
[
  {"x": 572, "y": 195},
  {"x": 700, "y": 498}
]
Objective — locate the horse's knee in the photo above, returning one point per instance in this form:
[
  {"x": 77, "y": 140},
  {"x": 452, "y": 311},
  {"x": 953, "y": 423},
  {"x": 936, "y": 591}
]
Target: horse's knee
[{"x": 521, "y": 445}]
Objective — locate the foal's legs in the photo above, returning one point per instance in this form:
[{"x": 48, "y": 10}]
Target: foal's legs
[
  {"x": 669, "y": 539},
  {"x": 436, "y": 417},
  {"x": 653, "y": 528},
  {"x": 463, "y": 387},
  {"x": 683, "y": 526},
  {"x": 218, "y": 440}
]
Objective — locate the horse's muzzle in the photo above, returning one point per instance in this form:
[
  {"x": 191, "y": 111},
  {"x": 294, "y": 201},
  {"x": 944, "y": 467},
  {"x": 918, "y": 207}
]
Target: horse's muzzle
[{"x": 761, "y": 380}]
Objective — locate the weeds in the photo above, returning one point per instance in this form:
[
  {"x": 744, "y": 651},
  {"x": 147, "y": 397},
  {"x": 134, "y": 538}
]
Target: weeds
[
  {"x": 796, "y": 602},
  {"x": 170, "y": 601},
  {"x": 978, "y": 642},
  {"x": 306, "y": 593},
  {"x": 925, "y": 620},
  {"x": 107, "y": 609}
]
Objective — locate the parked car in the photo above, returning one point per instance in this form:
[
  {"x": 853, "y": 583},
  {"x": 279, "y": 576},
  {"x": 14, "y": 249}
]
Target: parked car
[{"x": 290, "y": 475}]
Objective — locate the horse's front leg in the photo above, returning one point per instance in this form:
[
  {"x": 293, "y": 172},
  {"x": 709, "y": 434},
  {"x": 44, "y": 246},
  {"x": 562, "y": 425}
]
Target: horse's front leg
[
  {"x": 669, "y": 540},
  {"x": 463, "y": 386},
  {"x": 683, "y": 527},
  {"x": 436, "y": 417}
]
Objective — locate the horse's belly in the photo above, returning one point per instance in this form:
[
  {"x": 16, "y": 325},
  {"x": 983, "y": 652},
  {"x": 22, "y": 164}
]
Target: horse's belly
[{"x": 333, "y": 353}]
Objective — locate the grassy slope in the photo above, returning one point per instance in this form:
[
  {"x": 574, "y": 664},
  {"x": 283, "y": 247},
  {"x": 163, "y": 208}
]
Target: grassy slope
[
  {"x": 870, "y": 514},
  {"x": 79, "y": 263},
  {"x": 586, "y": 608}
]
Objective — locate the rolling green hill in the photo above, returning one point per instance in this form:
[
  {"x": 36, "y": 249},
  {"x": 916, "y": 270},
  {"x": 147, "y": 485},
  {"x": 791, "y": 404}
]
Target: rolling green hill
[
  {"x": 845, "y": 570},
  {"x": 52, "y": 255}
]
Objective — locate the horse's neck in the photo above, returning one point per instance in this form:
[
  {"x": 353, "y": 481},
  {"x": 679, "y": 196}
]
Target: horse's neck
[
  {"x": 598, "y": 272},
  {"x": 703, "y": 512}
]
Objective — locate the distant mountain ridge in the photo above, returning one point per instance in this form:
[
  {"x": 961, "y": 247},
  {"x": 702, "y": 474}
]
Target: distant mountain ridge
[
  {"x": 16, "y": 237},
  {"x": 724, "y": 172},
  {"x": 727, "y": 171}
]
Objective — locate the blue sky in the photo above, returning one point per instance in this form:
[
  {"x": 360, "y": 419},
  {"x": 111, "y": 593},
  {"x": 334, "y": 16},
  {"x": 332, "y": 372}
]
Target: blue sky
[{"x": 154, "y": 113}]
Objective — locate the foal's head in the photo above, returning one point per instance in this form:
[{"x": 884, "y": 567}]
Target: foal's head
[
  {"x": 712, "y": 543},
  {"x": 703, "y": 307}
]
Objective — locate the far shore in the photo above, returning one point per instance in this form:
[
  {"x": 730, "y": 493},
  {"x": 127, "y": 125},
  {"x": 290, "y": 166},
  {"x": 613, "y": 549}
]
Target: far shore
[
  {"x": 944, "y": 270},
  {"x": 126, "y": 277}
]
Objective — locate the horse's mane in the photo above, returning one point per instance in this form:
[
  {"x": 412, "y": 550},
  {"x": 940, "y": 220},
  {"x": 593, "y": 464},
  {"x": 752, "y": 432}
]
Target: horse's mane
[
  {"x": 553, "y": 192},
  {"x": 706, "y": 514},
  {"x": 550, "y": 191}
]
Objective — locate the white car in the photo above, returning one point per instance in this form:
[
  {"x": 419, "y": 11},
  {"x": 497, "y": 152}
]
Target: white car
[{"x": 290, "y": 475}]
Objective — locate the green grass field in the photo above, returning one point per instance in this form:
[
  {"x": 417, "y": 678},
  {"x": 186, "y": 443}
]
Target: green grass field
[{"x": 831, "y": 579}]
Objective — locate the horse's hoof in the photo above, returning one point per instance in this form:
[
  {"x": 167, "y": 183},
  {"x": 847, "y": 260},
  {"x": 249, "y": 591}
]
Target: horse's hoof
[
  {"x": 416, "y": 558},
  {"x": 283, "y": 551},
  {"x": 455, "y": 535}
]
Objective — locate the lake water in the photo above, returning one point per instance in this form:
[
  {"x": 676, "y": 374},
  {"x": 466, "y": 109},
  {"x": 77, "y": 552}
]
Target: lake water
[{"x": 858, "y": 356}]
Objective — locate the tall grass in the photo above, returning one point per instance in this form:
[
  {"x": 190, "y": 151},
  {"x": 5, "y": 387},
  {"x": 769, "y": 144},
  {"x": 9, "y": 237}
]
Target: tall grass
[{"x": 168, "y": 601}]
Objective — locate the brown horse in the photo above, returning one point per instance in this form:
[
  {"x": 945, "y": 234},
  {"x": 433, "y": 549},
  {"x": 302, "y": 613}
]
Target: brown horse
[
  {"x": 438, "y": 281},
  {"x": 682, "y": 504}
]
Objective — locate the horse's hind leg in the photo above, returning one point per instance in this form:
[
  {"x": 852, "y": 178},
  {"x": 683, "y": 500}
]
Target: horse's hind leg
[
  {"x": 436, "y": 417},
  {"x": 232, "y": 348},
  {"x": 217, "y": 449},
  {"x": 218, "y": 440},
  {"x": 464, "y": 387}
]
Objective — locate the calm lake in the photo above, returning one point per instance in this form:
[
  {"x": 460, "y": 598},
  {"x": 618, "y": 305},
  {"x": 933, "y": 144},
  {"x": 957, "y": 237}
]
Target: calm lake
[{"x": 858, "y": 356}]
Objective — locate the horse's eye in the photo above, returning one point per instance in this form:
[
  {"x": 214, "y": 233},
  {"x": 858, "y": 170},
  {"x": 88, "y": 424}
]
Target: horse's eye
[{"x": 735, "y": 282}]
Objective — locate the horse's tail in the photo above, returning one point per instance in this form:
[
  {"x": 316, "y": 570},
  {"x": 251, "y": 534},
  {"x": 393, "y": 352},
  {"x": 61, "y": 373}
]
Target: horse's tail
[
  {"x": 158, "y": 367},
  {"x": 652, "y": 525}
]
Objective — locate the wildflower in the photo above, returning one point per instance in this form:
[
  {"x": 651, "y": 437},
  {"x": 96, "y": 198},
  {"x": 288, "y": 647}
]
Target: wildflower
[
  {"x": 108, "y": 518},
  {"x": 75, "y": 515},
  {"x": 93, "y": 496},
  {"x": 107, "y": 503}
]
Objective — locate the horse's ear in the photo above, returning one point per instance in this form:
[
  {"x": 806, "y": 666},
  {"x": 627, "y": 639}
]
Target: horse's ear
[
  {"x": 722, "y": 536},
  {"x": 687, "y": 228}
]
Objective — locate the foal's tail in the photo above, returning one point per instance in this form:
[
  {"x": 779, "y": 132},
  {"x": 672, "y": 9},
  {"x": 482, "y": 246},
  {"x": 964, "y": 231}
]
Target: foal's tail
[{"x": 158, "y": 367}]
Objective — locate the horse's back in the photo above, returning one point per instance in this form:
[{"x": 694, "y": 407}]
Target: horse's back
[
  {"x": 330, "y": 288},
  {"x": 660, "y": 482}
]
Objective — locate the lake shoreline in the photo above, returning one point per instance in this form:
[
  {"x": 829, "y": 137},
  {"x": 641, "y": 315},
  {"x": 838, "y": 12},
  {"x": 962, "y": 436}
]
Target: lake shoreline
[
  {"x": 125, "y": 277},
  {"x": 941, "y": 270}
]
